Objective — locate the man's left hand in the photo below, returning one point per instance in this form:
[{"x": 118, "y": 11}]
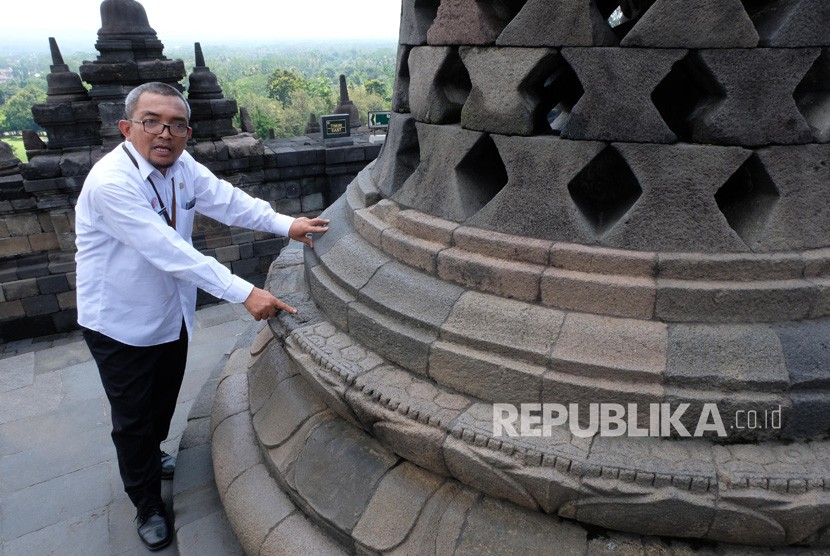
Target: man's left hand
[{"x": 302, "y": 227}]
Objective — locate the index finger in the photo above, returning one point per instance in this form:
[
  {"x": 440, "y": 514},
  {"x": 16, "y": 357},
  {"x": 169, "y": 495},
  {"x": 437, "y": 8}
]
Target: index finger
[{"x": 282, "y": 306}]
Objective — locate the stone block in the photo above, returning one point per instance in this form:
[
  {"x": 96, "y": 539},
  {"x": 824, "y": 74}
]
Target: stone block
[
  {"x": 731, "y": 358},
  {"x": 731, "y": 267},
  {"x": 485, "y": 375},
  {"x": 468, "y": 22},
  {"x": 338, "y": 471},
  {"x": 292, "y": 403},
  {"x": 413, "y": 251},
  {"x": 438, "y": 84},
  {"x": 20, "y": 289},
  {"x": 398, "y": 501},
  {"x": 754, "y": 81},
  {"x": 617, "y": 102},
  {"x": 44, "y": 242},
  {"x": 369, "y": 226},
  {"x": 502, "y": 277},
  {"x": 401, "y": 342},
  {"x": 501, "y": 246},
  {"x": 23, "y": 224},
  {"x": 33, "y": 266},
  {"x": 507, "y": 84},
  {"x": 599, "y": 260},
  {"x": 678, "y": 184},
  {"x": 297, "y": 535},
  {"x": 231, "y": 394},
  {"x": 620, "y": 296},
  {"x": 67, "y": 300},
  {"x": 12, "y": 246},
  {"x": 798, "y": 219},
  {"x": 313, "y": 202},
  {"x": 352, "y": 261},
  {"x": 332, "y": 298},
  {"x": 793, "y": 24},
  {"x": 496, "y": 527},
  {"x": 75, "y": 163},
  {"x": 11, "y": 310},
  {"x": 42, "y": 167},
  {"x": 503, "y": 326},
  {"x": 234, "y": 449},
  {"x": 558, "y": 23},
  {"x": 686, "y": 301},
  {"x": 426, "y": 227},
  {"x": 267, "y": 247},
  {"x": 248, "y": 267},
  {"x": 525, "y": 159},
  {"x": 255, "y": 505},
  {"x": 53, "y": 284},
  {"x": 612, "y": 348},
  {"x": 693, "y": 24},
  {"x": 288, "y": 206},
  {"x": 399, "y": 290},
  {"x": 243, "y": 145},
  {"x": 227, "y": 254}
]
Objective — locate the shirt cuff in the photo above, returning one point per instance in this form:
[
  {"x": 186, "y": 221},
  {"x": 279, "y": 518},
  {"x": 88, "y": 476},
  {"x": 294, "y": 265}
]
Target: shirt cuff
[
  {"x": 282, "y": 223},
  {"x": 238, "y": 291}
]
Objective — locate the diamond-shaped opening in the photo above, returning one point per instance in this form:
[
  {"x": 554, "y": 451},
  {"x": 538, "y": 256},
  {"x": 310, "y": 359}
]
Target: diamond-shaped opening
[
  {"x": 622, "y": 15},
  {"x": 560, "y": 92},
  {"x": 452, "y": 83},
  {"x": 812, "y": 96},
  {"x": 768, "y": 16},
  {"x": 480, "y": 176},
  {"x": 747, "y": 199},
  {"x": 425, "y": 13},
  {"x": 501, "y": 12},
  {"x": 400, "y": 100},
  {"x": 605, "y": 190},
  {"x": 686, "y": 89}
]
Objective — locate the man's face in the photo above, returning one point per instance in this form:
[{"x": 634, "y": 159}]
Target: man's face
[{"x": 159, "y": 150}]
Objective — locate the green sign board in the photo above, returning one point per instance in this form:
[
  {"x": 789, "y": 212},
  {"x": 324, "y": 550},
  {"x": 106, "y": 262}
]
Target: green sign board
[
  {"x": 379, "y": 119},
  {"x": 335, "y": 126}
]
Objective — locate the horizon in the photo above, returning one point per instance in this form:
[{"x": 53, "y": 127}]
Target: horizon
[{"x": 75, "y": 25}]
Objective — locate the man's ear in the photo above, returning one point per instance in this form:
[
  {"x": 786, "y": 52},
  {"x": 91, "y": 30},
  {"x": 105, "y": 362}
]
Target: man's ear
[{"x": 124, "y": 126}]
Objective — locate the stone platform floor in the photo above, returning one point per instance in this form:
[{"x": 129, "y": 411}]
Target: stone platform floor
[{"x": 60, "y": 492}]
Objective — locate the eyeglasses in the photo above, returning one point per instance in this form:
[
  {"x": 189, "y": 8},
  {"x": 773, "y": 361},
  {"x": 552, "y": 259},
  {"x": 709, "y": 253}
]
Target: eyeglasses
[{"x": 157, "y": 128}]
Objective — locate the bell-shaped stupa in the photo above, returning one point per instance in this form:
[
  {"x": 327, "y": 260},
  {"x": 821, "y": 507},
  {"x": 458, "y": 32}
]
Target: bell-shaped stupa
[{"x": 581, "y": 301}]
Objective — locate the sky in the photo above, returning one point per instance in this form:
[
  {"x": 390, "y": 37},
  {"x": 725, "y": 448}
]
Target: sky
[{"x": 76, "y": 22}]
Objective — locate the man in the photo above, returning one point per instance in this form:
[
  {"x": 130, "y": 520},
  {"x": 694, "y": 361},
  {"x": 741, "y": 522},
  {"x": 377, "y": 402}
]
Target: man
[{"x": 137, "y": 274}]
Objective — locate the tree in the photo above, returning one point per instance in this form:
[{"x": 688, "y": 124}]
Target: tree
[
  {"x": 282, "y": 84},
  {"x": 17, "y": 111},
  {"x": 375, "y": 87}
]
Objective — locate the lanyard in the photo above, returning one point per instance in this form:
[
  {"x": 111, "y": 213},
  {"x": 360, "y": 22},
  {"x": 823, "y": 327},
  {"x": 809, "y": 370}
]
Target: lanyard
[{"x": 163, "y": 210}]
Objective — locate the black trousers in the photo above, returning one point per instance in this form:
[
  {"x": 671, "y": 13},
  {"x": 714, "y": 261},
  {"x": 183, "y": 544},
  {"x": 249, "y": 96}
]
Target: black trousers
[{"x": 142, "y": 385}]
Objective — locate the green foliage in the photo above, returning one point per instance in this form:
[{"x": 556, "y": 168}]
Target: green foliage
[
  {"x": 16, "y": 143},
  {"x": 283, "y": 84},
  {"x": 278, "y": 84},
  {"x": 376, "y": 87},
  {"x": 365, "y": 101},
  {"x": 17, "y": 110}
]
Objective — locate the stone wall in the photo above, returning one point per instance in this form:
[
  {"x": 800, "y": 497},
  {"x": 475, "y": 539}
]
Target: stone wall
[{"x": 37, "y": 219}]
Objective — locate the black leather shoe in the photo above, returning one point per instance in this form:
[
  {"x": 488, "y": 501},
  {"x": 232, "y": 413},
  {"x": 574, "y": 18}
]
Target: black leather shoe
[
  {"x": 153, "y": 529},
  {"x": 168, "y": 465}
]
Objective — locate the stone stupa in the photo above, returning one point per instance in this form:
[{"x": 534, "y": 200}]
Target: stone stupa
[{"x": 564, "y": 212}]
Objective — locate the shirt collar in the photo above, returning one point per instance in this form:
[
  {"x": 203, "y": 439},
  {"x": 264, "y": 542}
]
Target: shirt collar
[{"x": 145, "y": 169}]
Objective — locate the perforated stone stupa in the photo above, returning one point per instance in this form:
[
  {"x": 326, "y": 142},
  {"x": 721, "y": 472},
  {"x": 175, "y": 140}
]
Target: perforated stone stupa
[{"x": 564, "y": 212}]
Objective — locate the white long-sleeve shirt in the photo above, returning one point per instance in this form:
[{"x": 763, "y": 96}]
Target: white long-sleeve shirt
[{"x": 136, "y": 275}]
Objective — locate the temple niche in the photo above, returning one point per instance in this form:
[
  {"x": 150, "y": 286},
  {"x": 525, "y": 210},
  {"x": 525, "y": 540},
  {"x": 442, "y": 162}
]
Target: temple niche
[{"x": 566, "y": 211}]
